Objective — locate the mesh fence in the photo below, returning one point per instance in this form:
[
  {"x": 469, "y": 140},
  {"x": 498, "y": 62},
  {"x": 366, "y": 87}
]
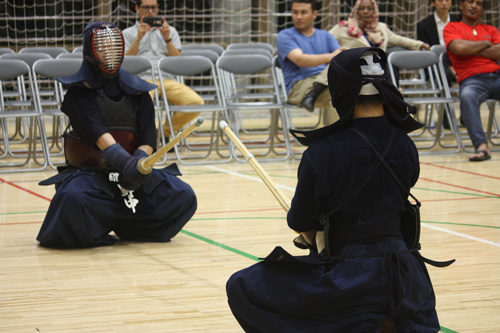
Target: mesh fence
[{"x": 61, "y": 22}]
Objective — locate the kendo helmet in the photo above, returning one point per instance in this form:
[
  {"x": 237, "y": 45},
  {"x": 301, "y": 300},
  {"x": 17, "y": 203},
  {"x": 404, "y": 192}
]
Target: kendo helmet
[
  {"x": 349, "y": 73},
  {"x": 104, "y": 47}
]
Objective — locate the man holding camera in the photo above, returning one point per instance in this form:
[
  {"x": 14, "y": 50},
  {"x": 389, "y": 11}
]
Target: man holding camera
[{"x": 153, "y": 38}]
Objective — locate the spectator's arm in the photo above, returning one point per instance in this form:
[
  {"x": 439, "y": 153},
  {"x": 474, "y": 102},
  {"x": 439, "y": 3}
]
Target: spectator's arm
[
  {"x": 492, "y": 52},
  {"x": 167, "y": 36},
  {"x": 172, "y": 50},
  {"x": 394, "y": 39},
  {"x": 462, "y": 47},
  {"x": 134, "y": 48},
  {"x": 141, "y": 31},
  {"x": 311, "y": 60}
]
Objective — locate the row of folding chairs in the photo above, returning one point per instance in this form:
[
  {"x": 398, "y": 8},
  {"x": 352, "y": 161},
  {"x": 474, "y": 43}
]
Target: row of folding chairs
[
  {"x": 431, "y": 89},
  {"x": 242, "y": 84},
  {"x": 52, "y": 51},
  {"x": 239, "y": 84},
  {"x": 30, "y": 97},
  {"x": 20, "y": 95},
  {"x": 43, "y": 104}
]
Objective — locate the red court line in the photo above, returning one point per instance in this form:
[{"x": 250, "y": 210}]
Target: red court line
[
  {"x": 14, "y": 223},
  {"x": 259, "y": 210},
  {"x": 458, "y": 186},
  {"x": 458, "y": 170},
  {"x": 24, "y": 189}
]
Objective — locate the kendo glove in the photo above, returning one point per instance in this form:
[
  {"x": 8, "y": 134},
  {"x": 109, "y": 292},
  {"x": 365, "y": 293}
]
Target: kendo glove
[{"x": 130, "y": 178}]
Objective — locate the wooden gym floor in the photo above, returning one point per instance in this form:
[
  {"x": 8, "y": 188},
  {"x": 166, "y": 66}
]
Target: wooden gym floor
[{"x": 180, "y": 286}]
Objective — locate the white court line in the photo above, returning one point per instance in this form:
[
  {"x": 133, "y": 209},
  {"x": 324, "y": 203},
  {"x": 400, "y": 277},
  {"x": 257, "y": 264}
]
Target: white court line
[
  {"x": 423, "y": 224},
  {"x": 257, "y": 179},
  {"x": 461, "y": 235}
]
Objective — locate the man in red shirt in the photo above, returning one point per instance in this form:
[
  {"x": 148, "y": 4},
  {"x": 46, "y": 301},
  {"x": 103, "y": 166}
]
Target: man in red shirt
[{"x": 474, "y": 51}]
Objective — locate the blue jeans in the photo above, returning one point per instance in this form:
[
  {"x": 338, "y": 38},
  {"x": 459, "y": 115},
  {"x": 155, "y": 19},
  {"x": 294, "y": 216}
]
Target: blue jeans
[{"x": 474, "y": 91}]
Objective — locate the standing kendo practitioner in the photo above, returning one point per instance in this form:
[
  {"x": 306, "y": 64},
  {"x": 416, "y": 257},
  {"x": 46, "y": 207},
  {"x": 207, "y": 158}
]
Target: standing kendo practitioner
[
  {"x": 366, "y": 279},
  {"x": 101, "y": 190}
]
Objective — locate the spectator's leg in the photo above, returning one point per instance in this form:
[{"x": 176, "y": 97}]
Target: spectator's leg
[
  {"x": 474, "y": 91},
  {"x": 307, "y": 92},
  {"x": 179, "y": 94},
  {"x": 299, "y": 89}
]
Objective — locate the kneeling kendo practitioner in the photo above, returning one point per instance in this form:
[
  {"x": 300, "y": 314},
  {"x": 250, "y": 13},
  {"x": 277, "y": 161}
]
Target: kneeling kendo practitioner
[
  {"x": 365, "y": 277},
  {"x": 113, "y": 126}
]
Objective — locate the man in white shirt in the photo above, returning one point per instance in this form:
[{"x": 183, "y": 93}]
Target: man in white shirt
[
  {"x": 430, "y": 29},
  {"x": 155, "y": 43}
]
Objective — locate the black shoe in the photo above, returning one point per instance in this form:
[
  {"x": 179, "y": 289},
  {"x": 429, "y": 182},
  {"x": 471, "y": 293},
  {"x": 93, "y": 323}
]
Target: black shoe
[
  {"x": 461, "y": 122},
  {"x": 446, "y": 122},
  {"x": 311, "y": 97}
]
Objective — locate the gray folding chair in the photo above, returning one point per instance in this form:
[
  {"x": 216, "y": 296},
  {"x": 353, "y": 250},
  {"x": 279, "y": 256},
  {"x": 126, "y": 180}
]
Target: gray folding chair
[
  {"x": 137, "y": 65},
  {"x": 74, "y": 55},
  {"x": 192, "y": 66},
  {"x": 296, "y": 153},
  {"x": 213, "y": 47},
  {"x": 206, "y": 91},
  {"x": 6, "y": 50},
  {"x": 258, "y": 45},
  {"x": 248, "y": 51},
  {"x": 78, "y": 49},
  {"x": 252, "y": 100},
  {"x": 53, "y": 51},
  {"x": 253, "y": 81},
  {"x": 29, "y": 59},
  {"x": 438, "y": 49},
  {"x": 11, "y": 109},
  {"x": 44, "y": 73},
  {"x": 492, "y": 127},
  {"x": 430, "y": 94},
  {"x": 210, "y": 54},
  {"x": 418, "y": 79}
]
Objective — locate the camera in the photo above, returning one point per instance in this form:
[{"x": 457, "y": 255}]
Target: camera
[{"x": 153, "y": 21}]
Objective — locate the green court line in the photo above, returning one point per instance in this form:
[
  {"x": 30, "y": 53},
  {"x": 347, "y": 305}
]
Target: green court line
[
  {"x": 17, "y": 213},
  {"x": 463, "y": 224},
  {"x": 453, "y": 192},
  {"x": 225, "y": 247}
]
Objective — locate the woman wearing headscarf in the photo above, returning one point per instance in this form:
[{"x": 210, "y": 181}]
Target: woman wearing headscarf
[{"x": 363, "y": 29}]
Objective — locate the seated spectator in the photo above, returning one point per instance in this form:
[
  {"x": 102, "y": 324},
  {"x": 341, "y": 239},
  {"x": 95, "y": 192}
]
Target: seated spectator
[
  {"x": 155, "y": 43},
  {"x": 363, "y": 29},
  {"x": 430, "y": 29},
  {"x": 304, "y": 53},
  {"x": 474, "y": 50}
]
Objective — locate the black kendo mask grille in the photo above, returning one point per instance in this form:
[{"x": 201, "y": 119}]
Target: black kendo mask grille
[{"x": 108, "y": 49}]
